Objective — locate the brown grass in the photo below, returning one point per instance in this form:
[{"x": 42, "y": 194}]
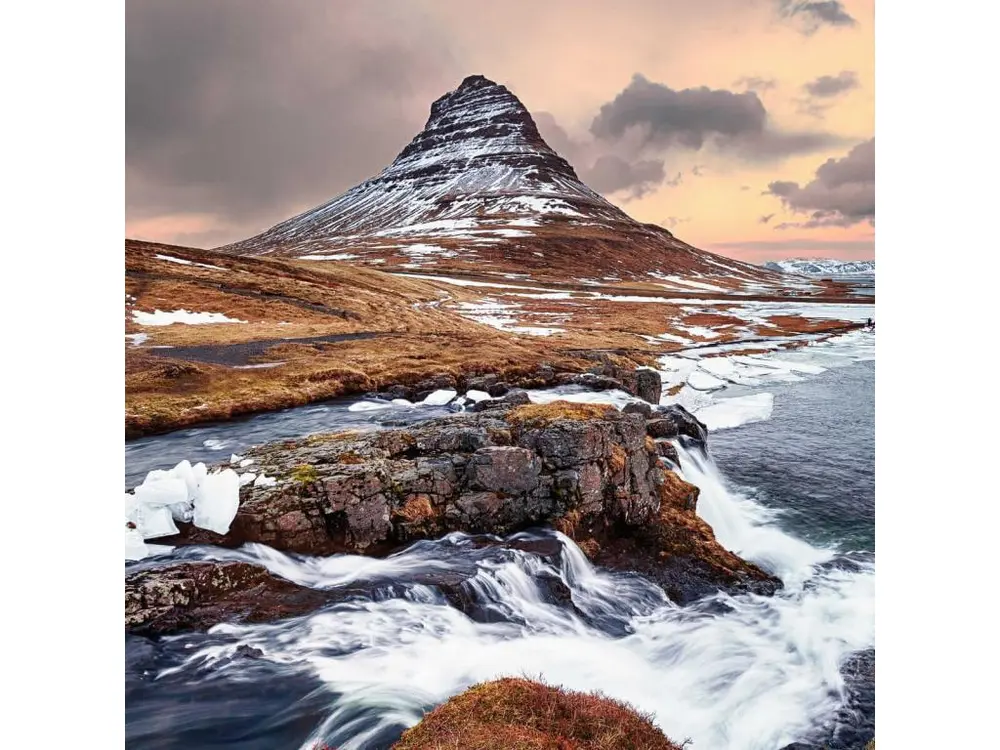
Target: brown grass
[
  {"x": 289, "y": 299},
  {"x": 518, "y": 714},
  {"x": 541, "y": 415}
]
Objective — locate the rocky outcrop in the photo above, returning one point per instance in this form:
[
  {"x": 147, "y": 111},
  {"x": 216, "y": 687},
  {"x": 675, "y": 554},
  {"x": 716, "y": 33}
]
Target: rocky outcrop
[
  {"x": 495, "y": 472},
  {"x": 198, "y": 595},
  {"x": 590, "y": 471}
]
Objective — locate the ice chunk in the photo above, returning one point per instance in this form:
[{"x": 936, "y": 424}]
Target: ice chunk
[
  {"x": 245, "y": 462},
  {"x": 368, "y": 406},
  {"x": 245, "y": 479},
  {"x": 478, "y": 396},
  {"x": 217, "y": 501},
  {"x": 440, "y": 397},
  {"x": 135, "y": 546},
  {"x": 158, "y": 549},
  {"x": 165, "y": 491},
  {"x": 732, "y": 412},
  {"x": 401, "y": 402},
  {"x": 702, "y": 381},
  {"x": 234, "y": 459},
  {"x": 156, "y": 522},
  {"x": 264, "y": 481}
]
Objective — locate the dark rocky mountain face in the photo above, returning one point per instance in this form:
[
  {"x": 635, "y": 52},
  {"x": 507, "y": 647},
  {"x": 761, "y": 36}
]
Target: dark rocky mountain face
[{"x": 478, "y": 189}]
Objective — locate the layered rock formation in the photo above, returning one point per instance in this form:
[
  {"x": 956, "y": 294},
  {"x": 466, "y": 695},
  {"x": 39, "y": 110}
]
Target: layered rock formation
[
  {"x": 479, "y": 189},
  {"x": 591, "y": 471}
]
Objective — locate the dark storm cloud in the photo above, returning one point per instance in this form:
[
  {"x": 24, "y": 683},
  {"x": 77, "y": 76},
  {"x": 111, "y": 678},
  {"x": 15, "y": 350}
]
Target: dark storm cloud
[
  {"x": 842, "y": 193},
  {"x": 662, "y": 118},
  {"x": 252, "y": 110},
  {"x": 829, "y": 86},
  {"x": 814, "y": 14}
]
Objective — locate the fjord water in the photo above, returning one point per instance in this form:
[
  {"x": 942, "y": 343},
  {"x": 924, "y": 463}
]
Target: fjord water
[{"x": 794, "y": 493}]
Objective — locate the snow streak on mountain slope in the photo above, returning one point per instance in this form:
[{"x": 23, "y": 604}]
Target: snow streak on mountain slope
[
  {"x": 479, "y": 189},
  {"x": 823, "y": 266}
]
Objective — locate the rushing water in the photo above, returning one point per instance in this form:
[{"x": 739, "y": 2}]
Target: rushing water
[{"x": 794, "y": 493}]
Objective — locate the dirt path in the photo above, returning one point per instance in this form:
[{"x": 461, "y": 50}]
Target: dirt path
[{"x": 241, "y": 354}]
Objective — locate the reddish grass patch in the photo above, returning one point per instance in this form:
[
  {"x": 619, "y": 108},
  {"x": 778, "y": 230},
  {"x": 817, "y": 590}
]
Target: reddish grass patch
[{"x": 518, "y": 714}]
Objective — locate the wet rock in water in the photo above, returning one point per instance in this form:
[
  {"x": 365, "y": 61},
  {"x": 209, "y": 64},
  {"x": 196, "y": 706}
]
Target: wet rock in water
[
  {"x": 649, "y": 385},
  {"x": 673, "y": 421},
  {"x": 426, "y": 387},
  {"x": 498, "y": 389},
  {"x": 198, "y": 595},
  {"x": 596, "y": 382},
  {"x": 638, "y": 408},
  {"x": 667, "y": 450},
  {"x": 514, "y": 397},
  {"x": 481, "y": 383}
]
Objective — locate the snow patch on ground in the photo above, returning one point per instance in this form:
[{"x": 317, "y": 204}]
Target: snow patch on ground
[
  {"x": 335, "y": 256},
  {"x": 184, "y": 262},
  {"x": 164, "y": 318}
]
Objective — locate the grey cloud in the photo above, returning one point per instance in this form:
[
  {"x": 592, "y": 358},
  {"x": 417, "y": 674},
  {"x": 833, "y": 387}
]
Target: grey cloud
[
  {"x": 253, "y": 111},
  {"x": 813, "y": 14},
  {"x": 841, "y": 194},
  {"x": 601, "y": 169},
  {"x": 828, "y": 86},
  {"x": 756, "y": 83},
  {"x": 672, "y": 221},
  {"x": 662, "y": 118},
  {"x": 612, "y": 174},
  {"x": 765, "y": 218}
]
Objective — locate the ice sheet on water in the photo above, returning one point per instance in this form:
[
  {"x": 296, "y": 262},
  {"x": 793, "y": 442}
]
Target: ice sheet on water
[
  {"x": 702, "y": 381},
  {"x": 727, "y": 413}
]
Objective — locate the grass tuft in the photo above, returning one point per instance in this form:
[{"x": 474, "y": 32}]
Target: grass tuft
[{"x": 520, "y": 714}]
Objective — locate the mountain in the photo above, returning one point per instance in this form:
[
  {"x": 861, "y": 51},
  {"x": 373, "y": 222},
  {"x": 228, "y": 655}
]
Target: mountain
[
  {"x": 823, "y": 267},
  {"x": 479, "y": 190}
]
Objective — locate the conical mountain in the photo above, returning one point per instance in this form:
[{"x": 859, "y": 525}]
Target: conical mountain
[{"x": 479, "y": 190}]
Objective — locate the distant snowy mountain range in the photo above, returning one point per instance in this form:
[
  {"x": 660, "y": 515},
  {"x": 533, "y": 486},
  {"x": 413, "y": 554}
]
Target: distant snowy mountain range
[{"x": 823, "y": 266}]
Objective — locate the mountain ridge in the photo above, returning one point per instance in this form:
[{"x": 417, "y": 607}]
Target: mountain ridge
[
  {"x": 479, "y": 189},
  {"x": 822, "y": 266}
]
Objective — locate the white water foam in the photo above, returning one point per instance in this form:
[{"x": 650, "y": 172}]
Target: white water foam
[{"x": 761, "y": 674}]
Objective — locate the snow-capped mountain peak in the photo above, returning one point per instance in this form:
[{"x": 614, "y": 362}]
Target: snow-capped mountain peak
[
  {"x": 823, "y": 267},
  {"x": 477, "y": 188}
]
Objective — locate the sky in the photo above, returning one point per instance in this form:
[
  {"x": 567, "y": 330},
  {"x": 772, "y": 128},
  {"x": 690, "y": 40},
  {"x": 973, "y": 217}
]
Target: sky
[{"x": 746, "y": 127}]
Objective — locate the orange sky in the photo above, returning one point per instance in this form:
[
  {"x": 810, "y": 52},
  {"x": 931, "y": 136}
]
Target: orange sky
[{"x": 560, "y": 57}]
